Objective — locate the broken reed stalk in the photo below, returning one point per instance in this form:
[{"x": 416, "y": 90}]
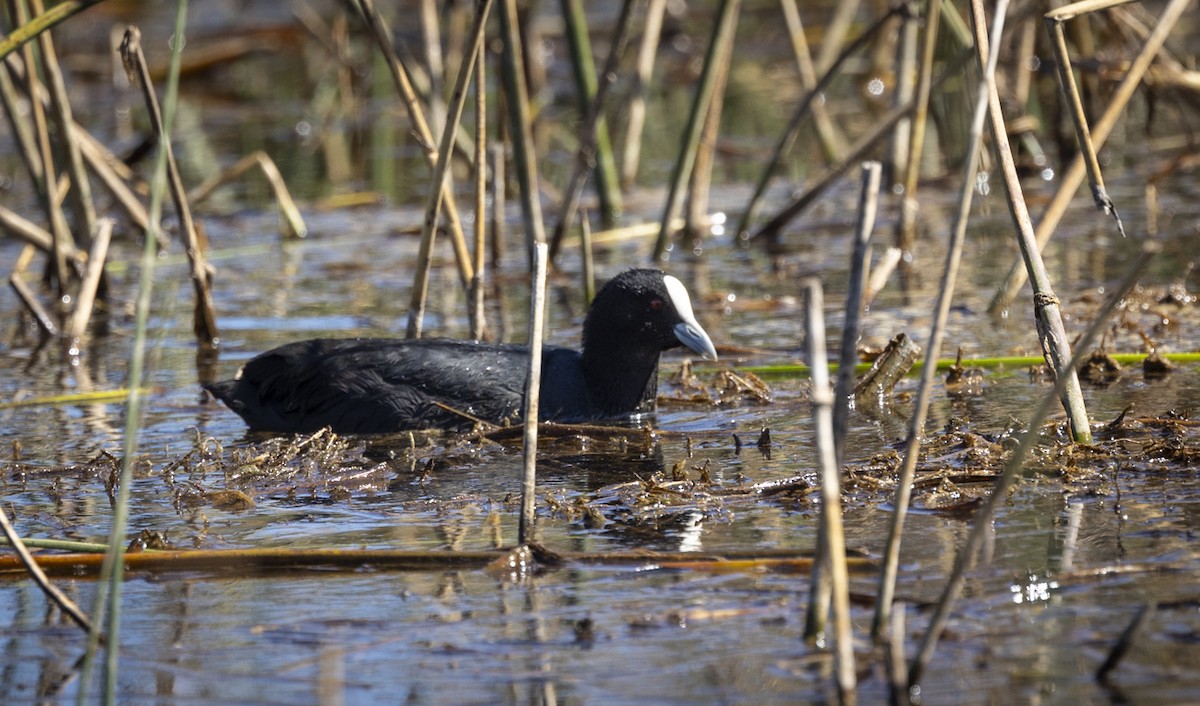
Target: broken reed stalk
[
  {"x": 45, "y": 321},
  {"x": 107, "y": 601},
  {"x": 858, "y": 152},
  {"x": 933, "y": 349},
  {"x": 590, "y": 135},
  {"x": 860, "y": 262},
  {"x": 204, "y": 322},
  {"x": 291, "y": 222},
  {"x": 833, "y": 144},
  {"x": 1073, "y": 176},
  {"x": 537, "y": 312},
  {"x": 984, "y": 516},
  {"x": 1051, "y": 331},
  {"x": 478, "y": 322},
  {"x": 722, "y": 33},
  {"x": 424, "y": 136},
  {"x": 834, "y": 540},
  {"x": 906, "y": 227},
  {"x": 512, "y": 71},
  {"x": 1066, "y": 83},
  {"x": 595, "y": 130},
  {"x": 636, "y": 120},
  {"x": 441, "y": 185},
  {"x": 56, "y": 596},
  {"x": 86, "y": 299},
  {"x": 784, "y": 145}
]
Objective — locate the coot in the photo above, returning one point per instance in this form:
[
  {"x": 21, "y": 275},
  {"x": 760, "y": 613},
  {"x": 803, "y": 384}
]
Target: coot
[{"x": 373, "y": 385}]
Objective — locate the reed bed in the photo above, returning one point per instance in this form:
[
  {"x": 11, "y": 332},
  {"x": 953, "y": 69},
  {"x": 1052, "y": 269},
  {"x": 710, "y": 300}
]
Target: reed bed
[{"x": 72, "y": 238}]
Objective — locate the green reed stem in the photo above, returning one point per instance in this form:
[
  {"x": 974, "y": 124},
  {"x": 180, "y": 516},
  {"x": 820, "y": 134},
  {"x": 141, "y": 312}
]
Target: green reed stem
[
  {"x": 607, "y": 188},
  {"x": 108, "y": 592}
]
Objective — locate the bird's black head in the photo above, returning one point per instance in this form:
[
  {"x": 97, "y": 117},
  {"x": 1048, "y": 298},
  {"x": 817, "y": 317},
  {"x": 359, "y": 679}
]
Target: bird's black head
[{"x": 647, "y": 310}]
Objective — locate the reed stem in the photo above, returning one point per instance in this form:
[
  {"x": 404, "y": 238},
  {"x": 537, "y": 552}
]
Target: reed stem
[
  {"x": 722, "y": 33},
  {"x": 537, "y": 314},
  {"x": 834, "y": 541},
  {"x": 933, "y": 349},
  {"x": 433, "y": 206}
]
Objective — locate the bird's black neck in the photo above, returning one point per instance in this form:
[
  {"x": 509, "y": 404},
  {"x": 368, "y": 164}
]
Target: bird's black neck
[{"x": 621, "y": 382}]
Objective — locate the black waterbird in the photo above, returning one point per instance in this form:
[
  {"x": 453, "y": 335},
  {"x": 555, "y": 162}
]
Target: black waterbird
[{"x": 377, "y": 385}]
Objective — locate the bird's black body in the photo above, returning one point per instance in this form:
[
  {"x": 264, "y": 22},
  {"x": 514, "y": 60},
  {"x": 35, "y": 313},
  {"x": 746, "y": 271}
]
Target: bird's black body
[{"x": 376, "y": 385}]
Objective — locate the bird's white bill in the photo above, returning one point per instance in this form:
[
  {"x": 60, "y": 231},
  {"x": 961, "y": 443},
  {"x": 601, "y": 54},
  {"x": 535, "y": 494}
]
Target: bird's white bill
[{"x": 689, "y": 332}]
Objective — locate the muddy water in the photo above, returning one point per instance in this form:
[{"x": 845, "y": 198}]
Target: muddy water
[{"x": 1080, "y": 546}]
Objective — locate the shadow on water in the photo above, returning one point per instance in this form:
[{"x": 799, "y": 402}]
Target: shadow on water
[{"x": 1087, "y": 537}]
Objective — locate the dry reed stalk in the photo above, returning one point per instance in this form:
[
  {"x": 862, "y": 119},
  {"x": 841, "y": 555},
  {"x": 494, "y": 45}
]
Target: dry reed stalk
[
  {"x": 595, "y": 130},
  {"x": 1072, "y": 177},
  {"x": 432, "y": 43},
  {"x": 264, "y": 560},
  {"x": 113, "y": 173},
  {"x": 204, "y": 323},
  {"x": 521, "y": 124},
  {"x": 881, "y": 129},
  {"x": 26, "y": 31},
  {"x": 1066, "y": 82},
  {"x": 722, "y": 33},
  {"x": 784, "y": 145},
  {"x": 897, "y": 672},
  {"x": 860, "y": 263},
  {"x": 86, "y": 299},
  {"x": 984, "y": 516},
  {"x": 906, "y": 75},
  {"x": 499, "y": 204},
  {"x": 590, "y": 133},
  {"x": 700, "y": 182},
  {"x": 833, "y": 537},
  {"x": 47, "y": 188},
  {"x": 881, "y": 272},
  {"x": 636, "y": 120},
  {"x": 33, "y": 234},
  {"x": 80, "y": 194},
  {"x": 400, "y": 77},
  {"x": 933, "y": 349},
  {"x": 22, "y": 131},
  {"x": 53, "y": 593},
  {"x": 533, "y": 381},
  {"x": 1051, "y": 331},
  {"x": 833, "y": 143},
  {"x": 43, "y": 318},
  {"x": 906, "y": 231},
  {"x": 478, "y": 323},
  {"x": 291, "y": 222},
  {"x": 835, "y": 34},
  {"x": 433, "y": 206}
]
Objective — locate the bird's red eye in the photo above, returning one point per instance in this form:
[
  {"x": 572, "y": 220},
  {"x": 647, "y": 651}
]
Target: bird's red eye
[{"x": 656, "y": 304}]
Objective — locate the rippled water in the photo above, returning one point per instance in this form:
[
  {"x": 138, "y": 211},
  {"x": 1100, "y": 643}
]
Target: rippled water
[{"x": 1070, "y": 559}]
